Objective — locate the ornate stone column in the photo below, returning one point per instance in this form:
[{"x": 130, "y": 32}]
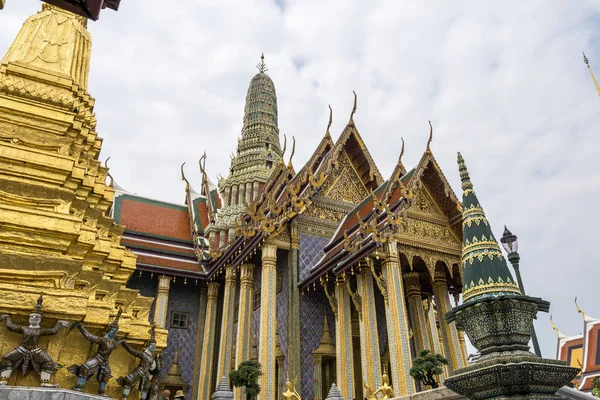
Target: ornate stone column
[
  {"x": 369, "y": 339},
  {"x": 244, "y": 324},
  {"x": 318, "y": 378},
  {"x": 205, "y": 384},
  {"x": 162, "y": 300},
  {"x": 268, "y": 315},
  {"x": 415, "y": 311},
  {"x": 449, "y": 338},
  {"x": 241, "y": 193},
  {"x": 243, "y": 343},
  {"x": 227, "y": 196},
  {"x": 397, "y": 322},
  {"x": 255, "y": 190},
  {"x": 293, "y": 358},
  {"x": 248, "y": 197},
  {"x": 234, "y": 195},
  {"x": 224, "y": 355},
  {"x": 199, "y": 339},
  {"x": 343, "y": 340}
]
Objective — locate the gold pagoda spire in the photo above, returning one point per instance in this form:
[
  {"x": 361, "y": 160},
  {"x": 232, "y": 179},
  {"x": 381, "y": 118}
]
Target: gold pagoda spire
[
  {"x": 587, "y": 62},
  {"x": 55, "y": 41}
]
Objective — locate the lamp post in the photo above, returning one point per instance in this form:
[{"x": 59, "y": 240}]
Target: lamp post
[{"x": 511, "y": 245}]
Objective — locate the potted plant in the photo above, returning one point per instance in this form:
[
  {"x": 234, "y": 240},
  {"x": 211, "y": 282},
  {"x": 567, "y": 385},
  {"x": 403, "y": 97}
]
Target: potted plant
[
  {"x": 426, "y": 366},
  {"x": 246, "y": 376}
]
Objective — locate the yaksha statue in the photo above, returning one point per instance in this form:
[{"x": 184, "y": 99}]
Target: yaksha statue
[
  {"x": 29, "y": 353},
  {"x": 141, "y": 373},
  {"x": 98, "y": 364},
  {"x": 154, "y": 384}
]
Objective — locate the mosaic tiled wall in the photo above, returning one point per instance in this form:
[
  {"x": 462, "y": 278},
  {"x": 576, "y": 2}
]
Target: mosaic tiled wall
[
  {"x": 256, "y": 313},
  {"x": 313, "y": 305},
  {"x": 381, "y": 321},
  {"x": 182, "y": 298},
  {"x": 311, "y": 251},
  {"x": 282, "y": 303}
]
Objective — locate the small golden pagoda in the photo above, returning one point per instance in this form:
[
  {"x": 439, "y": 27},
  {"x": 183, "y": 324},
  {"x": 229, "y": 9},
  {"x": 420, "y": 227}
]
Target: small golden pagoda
[{"x": 55, "y": 236}]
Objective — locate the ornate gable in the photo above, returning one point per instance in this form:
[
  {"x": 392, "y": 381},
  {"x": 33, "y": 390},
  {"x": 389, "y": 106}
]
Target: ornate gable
[{"x": 345, "y": 184}]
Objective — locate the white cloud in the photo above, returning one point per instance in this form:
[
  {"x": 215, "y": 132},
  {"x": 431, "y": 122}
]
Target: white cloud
[{"x": 503, "y": 82}]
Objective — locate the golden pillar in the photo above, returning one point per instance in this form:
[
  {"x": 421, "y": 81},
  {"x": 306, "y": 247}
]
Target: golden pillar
[
  {"x": 162, "y": 301},
  {"x": 343, "y": 340},
  {"x": 416, "y": 312},
  {"x": 244, "y": 325},
  {"x": 450, "y": 340},
  {"x": 369, "y": 339},
  {"x": 397, "y": 322},
  {"x": 205, "y": 384},
  {"x": 224, "y": 356},
  {"x": 266, "y": 347},
  {"x": 199, "y": 338}
]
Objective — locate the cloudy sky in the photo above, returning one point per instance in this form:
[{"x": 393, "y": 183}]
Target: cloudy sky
[{"x": 502, "y": 82}]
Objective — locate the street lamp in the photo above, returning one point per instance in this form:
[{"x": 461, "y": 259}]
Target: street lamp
[{"x": 511, "y": 245}]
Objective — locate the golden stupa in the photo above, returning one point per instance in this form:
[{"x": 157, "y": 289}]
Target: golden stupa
[{"x": 56, "y": 238}]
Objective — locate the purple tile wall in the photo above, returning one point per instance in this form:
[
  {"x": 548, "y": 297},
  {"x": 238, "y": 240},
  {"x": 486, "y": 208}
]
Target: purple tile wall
[
  {"x": 282, "y": 305},
  {"x": 311, "y": 251},
  {"x": 182, "y": 298},
  {"x": 381, "y": 322},
  {"x": 313, "y": 306},
  {"x": 256, "y": 313}
]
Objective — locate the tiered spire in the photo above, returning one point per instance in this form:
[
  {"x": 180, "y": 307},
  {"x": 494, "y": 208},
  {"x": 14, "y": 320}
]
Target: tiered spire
[
  {"x": 258, "y": 149},
  {"x": 484, "y": 267}
]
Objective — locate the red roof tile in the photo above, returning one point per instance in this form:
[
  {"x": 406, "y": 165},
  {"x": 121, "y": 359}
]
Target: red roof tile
[{"x": 153, "y": 218}]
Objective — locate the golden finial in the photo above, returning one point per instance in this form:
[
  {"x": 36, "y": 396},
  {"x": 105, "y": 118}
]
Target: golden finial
[
  {"x": 579, "y": 310},
  {"x": 430, "y": 137},
  {"x": 262, "y": 67},
  {"x": 587, "y": 62},
  {"x": 401, "y": 152},
  {"x": 351, "y": 122},
  {"x": 558, "y": 333},
  {"x": 293, "y": 151},
  {"x": 327, "y": 134},
  {"x": 183, "y": 178},
  {"x": 108, "y": 173},
  {"x": 284, "y": 148}
]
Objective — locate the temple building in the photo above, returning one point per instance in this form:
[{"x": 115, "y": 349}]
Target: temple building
[
  {"x": 581, "y": 351},
  {"x": 325, "y": 273}
]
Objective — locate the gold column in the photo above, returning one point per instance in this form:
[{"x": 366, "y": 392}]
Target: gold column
[
  {"x": 450, "y": 340},
  {"x": 343, "y": 340},
  {"x": 415, "y": 311},
  {"x": 162, "y": 300},
  {"x": 266, "y": 347},
  {"x": 224, "y": 356},
  {"x": 318, "y": 378},
  {"x": 397, "y": 322},
  {"x": 244, "y": 325},
  {"x": 205, "y": 385},
  {"x": 369, "y": 339},
  {"x": 199, "y": 339}
]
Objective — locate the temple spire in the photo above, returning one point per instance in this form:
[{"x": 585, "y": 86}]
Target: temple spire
[
  {"x": 56, "y": 42},
  {"x": 587, "y": 62},
  {"x": 484, "y": 267},
  {"x": 262, "y": 67}
]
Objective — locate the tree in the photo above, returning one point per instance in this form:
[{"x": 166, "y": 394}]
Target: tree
[
  {"x": 596, "y": 387},
  {"x": 426, "y": 366},
  {"x": 247, "y": 376}
]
